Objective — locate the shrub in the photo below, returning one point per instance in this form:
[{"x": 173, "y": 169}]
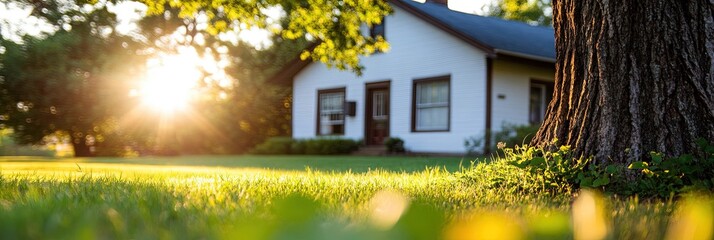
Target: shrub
[
  {"x": 394, "y": 145},
  {"x": 330, "y": 146},
  {"x": 275, "y": 145},
  {"x": 556, "y": 171},
  {"x": 316, "y": 146},
  {"x": 511, "y": 135},
  {"x": 663, "y": 176},
  {"x": 474, "y": 145}
]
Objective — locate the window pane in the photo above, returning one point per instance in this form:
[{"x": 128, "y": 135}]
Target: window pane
[
  {"x": 432, "y": 106},
  {"x": 332, "y": 118},
  {"x": 537, "y": 100},
  {"x": 433, "y": 92},
  {"x": 377, "y": 30},
  {"x": 436, "y": 118},
  {"x": 379, "y": 105}
]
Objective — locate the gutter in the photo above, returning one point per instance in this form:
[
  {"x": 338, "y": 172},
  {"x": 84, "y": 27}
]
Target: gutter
[{"x": 525, "y": 56}]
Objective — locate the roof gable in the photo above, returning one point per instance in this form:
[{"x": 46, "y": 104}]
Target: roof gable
[{"x": 502, "y": 36}]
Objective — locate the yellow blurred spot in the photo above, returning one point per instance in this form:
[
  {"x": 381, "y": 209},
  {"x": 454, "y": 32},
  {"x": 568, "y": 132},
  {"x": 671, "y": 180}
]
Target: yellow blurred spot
[
  {"x": 693, "y": 220},
  {"x": 589, "y": 220},
  {"x": 116, "y": 220},
  {"x": 386, "y": 209},
  {"x": 486, "y": 226}
]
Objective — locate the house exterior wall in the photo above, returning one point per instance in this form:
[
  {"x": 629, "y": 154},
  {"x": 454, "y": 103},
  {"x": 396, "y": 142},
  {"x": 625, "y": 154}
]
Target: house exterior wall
[
  {"x": 512, "y": 80},
  {"x": 418, "y": 50}
]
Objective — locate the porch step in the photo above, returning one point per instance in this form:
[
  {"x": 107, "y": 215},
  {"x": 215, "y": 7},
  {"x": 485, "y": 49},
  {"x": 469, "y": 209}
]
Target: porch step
[{"x": 374, "y": 150}]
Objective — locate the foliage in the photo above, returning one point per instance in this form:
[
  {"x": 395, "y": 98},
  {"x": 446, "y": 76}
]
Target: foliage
[
  {"x": 394, "y": 145},
  {"x": 334, "y": 25},
  {"x": 539, "y": 170},
  {"x": 330, "y": 146},
  {"x": 513, "y": 135},
  {"x": 535, "y": 12},
  {"x": 510, "y": 135},
  {"x": 279, "y": 145},
  {"x": 8, "y": 147},
  {"x": 474, "y": 145},
  {"x": 124, "y": 199},
  {"x": 664, "y": 176},
  {"x": 560, "y": 170},
  {"x": 68, "y": 81},
  {"x": 314, "y": 146}
]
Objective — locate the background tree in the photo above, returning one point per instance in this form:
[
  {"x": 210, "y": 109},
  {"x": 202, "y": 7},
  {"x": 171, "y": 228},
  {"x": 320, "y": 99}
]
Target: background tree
[
  {"x": 536, "y": 12},
  {"x": 69, "y": 81},
  {"x": 224, "y": 118},
  {"x": 632, "y": 77}
]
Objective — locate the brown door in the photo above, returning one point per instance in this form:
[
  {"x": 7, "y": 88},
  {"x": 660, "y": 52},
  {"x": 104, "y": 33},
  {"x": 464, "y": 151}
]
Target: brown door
[{"x": 377, "y": 114}]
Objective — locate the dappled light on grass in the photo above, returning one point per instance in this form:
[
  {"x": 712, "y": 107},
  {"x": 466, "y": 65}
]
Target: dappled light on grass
[
  {"x": 386, "y": 209},
  {"x": 589, "y": 216},
  {"x": 490, "y": 225},
  {"x": 101, "y": 200},
  {"x": 694, "y": 219}
]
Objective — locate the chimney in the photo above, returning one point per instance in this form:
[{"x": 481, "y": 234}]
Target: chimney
[{"x": 444, "y": 2}]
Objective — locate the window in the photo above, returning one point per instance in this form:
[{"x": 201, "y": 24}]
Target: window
[
  {"x": 331, "y": 113},
  {"x": 430, "y": 104},
  {"x": 377, "y": 30},
  {"x": 379, "y": 105},
  {"x": 540, "y": 95}
]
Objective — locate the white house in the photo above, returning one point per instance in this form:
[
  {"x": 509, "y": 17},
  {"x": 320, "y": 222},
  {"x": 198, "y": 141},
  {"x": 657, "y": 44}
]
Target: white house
[{"x": 448, "y": 76}]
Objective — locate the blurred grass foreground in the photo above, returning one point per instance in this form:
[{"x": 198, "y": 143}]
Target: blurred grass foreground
[{"x": 86, "y": 199}]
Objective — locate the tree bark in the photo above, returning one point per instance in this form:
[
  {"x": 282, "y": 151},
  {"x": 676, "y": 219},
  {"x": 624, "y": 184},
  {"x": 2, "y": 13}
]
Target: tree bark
[
  {"x": 631, "y": 77},
  {"x": 80, "y": 147}
]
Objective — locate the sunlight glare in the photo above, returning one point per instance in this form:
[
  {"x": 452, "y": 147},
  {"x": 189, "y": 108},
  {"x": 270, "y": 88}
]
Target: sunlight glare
[{"x": 170, "y": 81}]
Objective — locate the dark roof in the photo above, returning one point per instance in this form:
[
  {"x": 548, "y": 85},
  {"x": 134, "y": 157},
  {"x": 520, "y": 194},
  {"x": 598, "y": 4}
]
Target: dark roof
[{"x": 502, "y": 36}]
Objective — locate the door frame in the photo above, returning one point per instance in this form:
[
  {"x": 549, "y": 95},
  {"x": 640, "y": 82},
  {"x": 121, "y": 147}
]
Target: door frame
[{"x": 368, "y": 107}]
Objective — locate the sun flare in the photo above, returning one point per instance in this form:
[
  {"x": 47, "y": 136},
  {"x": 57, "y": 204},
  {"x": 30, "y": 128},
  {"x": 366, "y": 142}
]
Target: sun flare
[{"x": 170, "y": 82}]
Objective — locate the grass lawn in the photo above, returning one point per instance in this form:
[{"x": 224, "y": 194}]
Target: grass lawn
[
  {"x": 356, "y": 164},
  {"x": 277, "y": 197}
]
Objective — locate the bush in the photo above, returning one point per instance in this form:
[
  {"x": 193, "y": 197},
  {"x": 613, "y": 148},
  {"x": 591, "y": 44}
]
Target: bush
[
  {"x": 394, "y": 145},
  {"x": 275, "y": 145},
  {"x": 315, "y": 146},
  {"x": 529, "y": 169},
  {"x": 663, "y": 176},
  {"x": 511, "y": 135},
  {"x": 330, "y": 146}
]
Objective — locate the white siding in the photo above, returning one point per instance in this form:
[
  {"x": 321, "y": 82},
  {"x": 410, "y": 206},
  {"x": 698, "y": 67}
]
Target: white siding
[
  {"x": 418, "y": 50},
  {"x": 512, "y": 80}
]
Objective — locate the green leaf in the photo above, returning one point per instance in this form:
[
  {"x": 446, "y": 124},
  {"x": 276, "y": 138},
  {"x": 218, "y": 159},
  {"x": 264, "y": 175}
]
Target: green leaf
[
  {"x": 611, "y": 169},
  {"x": 537, "y": 161},
  {"x": 638, "y": 165},
  {"x": 656, "y": 157},
  {"x": 601, "y": 181},
  {"x": 586, "y": 182}
]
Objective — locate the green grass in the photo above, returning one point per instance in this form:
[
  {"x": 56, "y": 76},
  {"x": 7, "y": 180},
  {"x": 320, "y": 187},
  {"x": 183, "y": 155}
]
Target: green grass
[
  {"x": 356, "y": 164},
  {"x": 281, "y": 197}
]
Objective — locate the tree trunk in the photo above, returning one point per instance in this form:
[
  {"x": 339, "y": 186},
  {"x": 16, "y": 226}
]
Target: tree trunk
[
  {"x": 632, "y": 77},
  {"x": 81, "y": 149}
]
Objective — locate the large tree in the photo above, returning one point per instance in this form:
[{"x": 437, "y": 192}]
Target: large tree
[{"x": 632, "y": 77}]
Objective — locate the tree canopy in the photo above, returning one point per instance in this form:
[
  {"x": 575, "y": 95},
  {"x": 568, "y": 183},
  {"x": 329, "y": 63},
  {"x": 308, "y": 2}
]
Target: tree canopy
[
  {"x": 80, "y": 82},
  {"x": 537, "y": 12},
  {"x": 68, "y": 81},
  {"x": 334, "y": 24}
]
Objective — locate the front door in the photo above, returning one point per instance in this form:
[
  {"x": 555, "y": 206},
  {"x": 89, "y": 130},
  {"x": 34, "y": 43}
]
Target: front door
[{"x": 377, "y": 113}]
